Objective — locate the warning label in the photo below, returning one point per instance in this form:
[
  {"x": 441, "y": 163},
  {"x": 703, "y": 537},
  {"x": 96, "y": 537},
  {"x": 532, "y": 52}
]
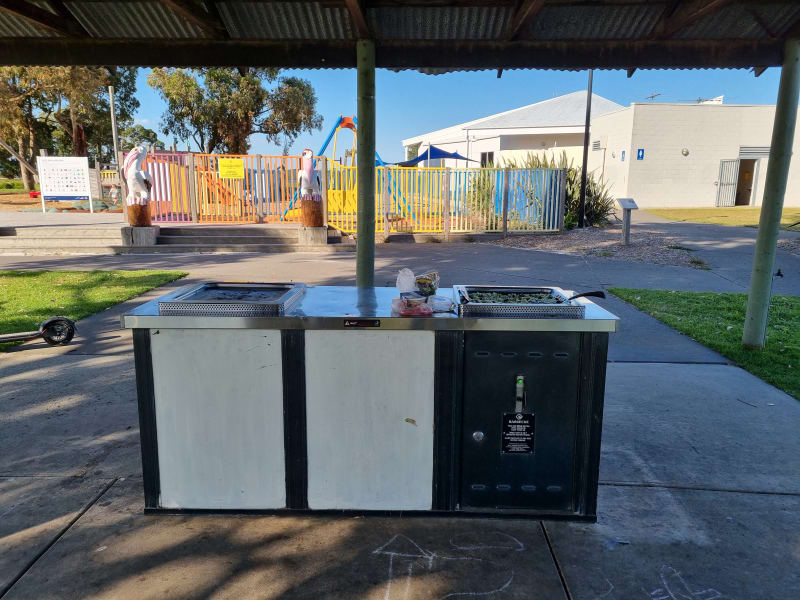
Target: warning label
[{"x": 518, "y": 430}]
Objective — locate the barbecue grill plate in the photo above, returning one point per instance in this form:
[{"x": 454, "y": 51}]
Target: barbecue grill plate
[
  {"x": 499, "y": 310},
  {"x": 234, "y": 300}
]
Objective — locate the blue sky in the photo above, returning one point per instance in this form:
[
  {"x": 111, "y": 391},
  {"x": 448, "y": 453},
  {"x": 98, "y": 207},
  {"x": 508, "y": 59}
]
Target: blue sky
[{"x": 410, "y": 103}]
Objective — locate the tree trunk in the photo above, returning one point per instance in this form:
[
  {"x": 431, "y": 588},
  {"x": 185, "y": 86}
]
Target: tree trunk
[{"x": 25, "y": 174}]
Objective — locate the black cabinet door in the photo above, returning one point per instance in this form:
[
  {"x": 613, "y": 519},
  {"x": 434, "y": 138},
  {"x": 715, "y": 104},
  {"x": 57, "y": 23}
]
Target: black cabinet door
[{"x": 513, "y": 470}]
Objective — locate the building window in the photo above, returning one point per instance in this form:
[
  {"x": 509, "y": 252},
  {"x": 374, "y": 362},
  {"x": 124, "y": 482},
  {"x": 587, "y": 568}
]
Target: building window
[{"x": 487, "y": 158}]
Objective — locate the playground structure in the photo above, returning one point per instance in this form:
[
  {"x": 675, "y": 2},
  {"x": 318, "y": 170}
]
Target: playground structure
[{"x": 187, "y": 187}]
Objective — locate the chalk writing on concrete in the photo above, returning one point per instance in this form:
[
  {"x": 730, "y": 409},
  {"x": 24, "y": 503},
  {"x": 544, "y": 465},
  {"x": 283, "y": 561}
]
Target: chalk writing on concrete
[
  {"x": 404, "y": 554},
  {"x": 672, "y": 586}
]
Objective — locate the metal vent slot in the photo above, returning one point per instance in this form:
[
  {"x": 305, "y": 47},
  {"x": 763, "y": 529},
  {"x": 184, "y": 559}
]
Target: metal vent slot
[
  {"x": 560, "y": 355},
  {"x": 503, "y": 487},
  {"x": 553, "y": 488},
  {"x": 482, "y": 353},
  {"x": 535, "y": 355},
  {"x": 528, "y": 488},
  {"x": 508, "y": 354},
  {"x": 478, "y": 487}
]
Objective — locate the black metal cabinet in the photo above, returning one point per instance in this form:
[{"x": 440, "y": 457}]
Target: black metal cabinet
[{"x": 543, "y": 459}]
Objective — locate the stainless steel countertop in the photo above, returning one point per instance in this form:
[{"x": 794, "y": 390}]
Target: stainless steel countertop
[{"x": 348, "y": 307}]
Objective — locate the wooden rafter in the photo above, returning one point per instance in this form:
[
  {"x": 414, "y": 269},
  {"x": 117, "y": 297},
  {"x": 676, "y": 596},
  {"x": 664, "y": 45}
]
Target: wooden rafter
[
  {"x": 630, "y": 72},
  {"x": 42, "y": 18},
  {"x": 62, "y": 11},
  {"x": 763, "y": 24},
  {"x": 757, "y": 71},
  {"x": 524, "y": 15},
  {"x": 681, "y": 19},
  {"x": 357, "y": 14},
  {"x": 197, "y": 14}
]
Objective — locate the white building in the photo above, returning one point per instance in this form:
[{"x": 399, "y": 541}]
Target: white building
[
  {"x": 688, "y": 155},
  {"x": 702, "y": 155},
  {"x": 551, "y": 125}
]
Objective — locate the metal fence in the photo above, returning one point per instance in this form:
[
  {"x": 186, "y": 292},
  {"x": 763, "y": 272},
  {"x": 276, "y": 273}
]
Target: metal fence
[{"x": 188, "y": 187}]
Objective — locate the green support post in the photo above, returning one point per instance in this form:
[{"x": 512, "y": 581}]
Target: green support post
[
  {"x": 780, "y": 156},
  {"x": 365, "y": 161}
]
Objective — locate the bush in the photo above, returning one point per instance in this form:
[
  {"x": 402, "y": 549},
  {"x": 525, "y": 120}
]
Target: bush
[{"x": 599, "y": 203}]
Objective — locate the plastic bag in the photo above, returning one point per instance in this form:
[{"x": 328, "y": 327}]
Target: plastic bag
[
  {"x": 406, "y": 282},
  {"x": 428, "y": 283},
  {"x": 441, "y": 304}
]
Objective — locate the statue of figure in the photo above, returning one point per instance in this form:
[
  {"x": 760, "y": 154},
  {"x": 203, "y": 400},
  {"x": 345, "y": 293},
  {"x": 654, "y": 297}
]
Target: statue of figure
[
  {"x": 139, "y": 185},
  {"x": 310, "y": 198}
]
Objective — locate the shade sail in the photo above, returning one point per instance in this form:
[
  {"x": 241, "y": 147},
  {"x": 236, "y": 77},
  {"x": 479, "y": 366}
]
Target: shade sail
[{"x": 433, "y": 153}]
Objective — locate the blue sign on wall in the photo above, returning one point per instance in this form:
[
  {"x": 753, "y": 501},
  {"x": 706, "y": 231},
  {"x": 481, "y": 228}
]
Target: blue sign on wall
[
  {"x": 640, "y": 154},
  {"x": 623, "y": 156}
]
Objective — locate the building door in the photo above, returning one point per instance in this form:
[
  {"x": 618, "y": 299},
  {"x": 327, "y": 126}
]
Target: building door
[
  {"x": 744, "y": 182},
  {"x": 727, "y": 182}
]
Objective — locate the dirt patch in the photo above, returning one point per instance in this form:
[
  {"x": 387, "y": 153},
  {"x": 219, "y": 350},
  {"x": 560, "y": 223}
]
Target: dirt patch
[
  {"x": 647, "y": 245},
  {"x": 790, "y": 245}
]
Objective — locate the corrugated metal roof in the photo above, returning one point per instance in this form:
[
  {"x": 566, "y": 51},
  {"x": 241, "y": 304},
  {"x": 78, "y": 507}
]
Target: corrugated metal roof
[
  {"x": 561, "y": 111},
  {"x": 731, "y": 22},
  {"x": 439, "y": 23},
  {"x": 286, "y": 20},
  {"x": 621, "y": 22},
  {"x": 14, "y": 26},
  {"x": 133, "y": 20}
]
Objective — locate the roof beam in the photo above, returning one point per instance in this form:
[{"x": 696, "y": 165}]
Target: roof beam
[
  {"x": 525, "y": 14},
  {"x": 357, "y": 14},
  {"x": 61, "y": 9},
  {"x": 42, "y": 18},
  {"x": 758, "y": 19},
  {"x": 199, "y": 15},
  {"x": 630, "y": 72},
  {"x": 683, "y": 18},
  {"x": 399, "y": 54},
  {"x": 757, "y": 71}
]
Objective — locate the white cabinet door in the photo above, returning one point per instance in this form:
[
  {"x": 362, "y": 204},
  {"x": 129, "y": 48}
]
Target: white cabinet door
[
  {"x": 369, "y": 408},
  {"x": 219, "y": 418}
]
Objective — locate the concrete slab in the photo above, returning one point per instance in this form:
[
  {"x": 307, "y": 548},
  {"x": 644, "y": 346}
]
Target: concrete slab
[
  {"x": 33, "y": 511},
  {"x": 662, "y": 544},
  {"x": 116, "y": 552},
  {"x": 68, "y": 416},
  {"x": 709, "y": 426},
  {"x": 642, "y": 338}
]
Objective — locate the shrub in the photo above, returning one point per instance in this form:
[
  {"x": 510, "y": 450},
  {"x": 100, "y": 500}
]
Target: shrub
[{"x": 599, "y": 203}]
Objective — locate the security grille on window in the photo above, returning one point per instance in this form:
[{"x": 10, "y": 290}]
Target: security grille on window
[{"x": 487, "y": 158}]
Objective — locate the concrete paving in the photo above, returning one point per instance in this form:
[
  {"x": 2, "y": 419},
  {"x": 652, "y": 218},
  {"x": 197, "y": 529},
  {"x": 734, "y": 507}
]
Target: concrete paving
[{"x": 699, "y": 470}]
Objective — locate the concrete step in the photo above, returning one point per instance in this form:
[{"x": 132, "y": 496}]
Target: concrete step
[
  {"x": 224, "y": 239},
  {"x": 58, "y": 242},
  {"x": 270, "y": 231},
  {"x": 58, "y": 251},
  {"x": 229, "y": 248},
  {"x": 81, "y": 232}
]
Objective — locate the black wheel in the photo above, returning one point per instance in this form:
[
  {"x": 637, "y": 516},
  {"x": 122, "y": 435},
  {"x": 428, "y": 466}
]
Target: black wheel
[{"x": 58, "y": 332}]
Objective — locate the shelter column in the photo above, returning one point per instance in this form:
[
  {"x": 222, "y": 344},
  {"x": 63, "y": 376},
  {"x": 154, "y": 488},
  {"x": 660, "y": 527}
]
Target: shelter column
[
  {"x": 780, "y": 156},
  {"x": 365, "y": 161}
]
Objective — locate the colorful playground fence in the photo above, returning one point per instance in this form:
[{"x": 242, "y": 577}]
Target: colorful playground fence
[{"x": 188, "y": 187}]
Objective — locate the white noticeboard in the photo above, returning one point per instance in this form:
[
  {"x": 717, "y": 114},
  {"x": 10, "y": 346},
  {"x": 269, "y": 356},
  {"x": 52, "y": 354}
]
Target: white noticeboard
[{"x": 64, "y": 178}]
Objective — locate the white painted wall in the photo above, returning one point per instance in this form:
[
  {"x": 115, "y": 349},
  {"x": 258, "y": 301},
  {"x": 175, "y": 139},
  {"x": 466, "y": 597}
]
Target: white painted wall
[
  {"x": 219, "y": 418},
  {"x": 615, "y": 128},
  {"x": 710, "y": 133},
  {"x": 517, "y": 147},
  {"x": 369, "y": 409}
]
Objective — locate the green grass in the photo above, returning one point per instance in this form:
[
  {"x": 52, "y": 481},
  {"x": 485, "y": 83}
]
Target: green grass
[
  {"x": 716, "y": 321},
  {"x": 746, "y": 216},
  {"x": 29, "y": 297}
]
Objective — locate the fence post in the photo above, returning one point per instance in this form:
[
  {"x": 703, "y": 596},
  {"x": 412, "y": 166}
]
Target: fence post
[
  {"x": 323, "y": 171},
  {"x": 260, "y": 199},
  {"x": 446, "y": 200},
  {"x": 506, "y": 174},
  {"x": 192, "y": 186}
]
